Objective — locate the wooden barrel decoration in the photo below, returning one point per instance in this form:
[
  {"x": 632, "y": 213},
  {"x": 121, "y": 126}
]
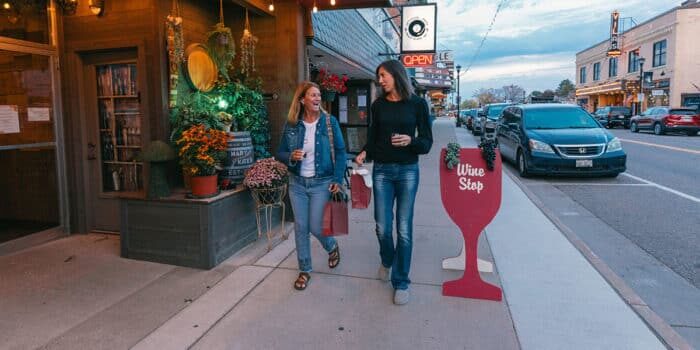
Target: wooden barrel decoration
[
  {"x": 200, "y": 70},
  {"x": 239, "y": 157}
]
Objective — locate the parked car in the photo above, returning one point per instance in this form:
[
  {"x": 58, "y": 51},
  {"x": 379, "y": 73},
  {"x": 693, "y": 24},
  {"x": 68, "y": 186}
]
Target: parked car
[
  {"x": 612, "y": 116},
  {"x": 490, "y": 111},
  {"x": 661, "y": 120},
  {"x": 558, "y": 139},
  {"x": 467, "y": 117}
]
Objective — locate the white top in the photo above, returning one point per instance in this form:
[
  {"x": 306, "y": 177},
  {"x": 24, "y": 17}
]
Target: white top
[{"x": 308, "y": 163}]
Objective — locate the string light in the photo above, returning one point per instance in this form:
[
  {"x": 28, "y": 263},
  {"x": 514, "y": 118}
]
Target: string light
[
  {"x": 272, "y": 6},
  {"x": 6, "y": 5},
  {"x": 332, "y": 2},
  {"x": 315, "y": 9}
]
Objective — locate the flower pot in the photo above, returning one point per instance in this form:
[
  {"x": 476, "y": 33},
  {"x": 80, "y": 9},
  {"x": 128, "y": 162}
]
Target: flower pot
[
  {"x": 328, "y": 96},
  {"x": 203, "y": 186}
]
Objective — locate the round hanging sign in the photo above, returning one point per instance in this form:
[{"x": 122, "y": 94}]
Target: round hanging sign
[{"x": 200, "y": 69}]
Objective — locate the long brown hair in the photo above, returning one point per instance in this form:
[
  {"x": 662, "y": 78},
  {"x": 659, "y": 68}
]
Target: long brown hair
[
  {"x": 398, "y": 72},
  {"x": 296, "y": 109}
]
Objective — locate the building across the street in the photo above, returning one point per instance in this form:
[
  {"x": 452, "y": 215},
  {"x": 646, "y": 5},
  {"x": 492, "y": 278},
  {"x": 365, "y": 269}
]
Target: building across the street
[{"x": 668, "y": 46}]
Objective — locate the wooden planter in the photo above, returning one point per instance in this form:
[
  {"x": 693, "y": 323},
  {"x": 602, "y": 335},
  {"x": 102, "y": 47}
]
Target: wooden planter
[{"x": 198, "y": 233}]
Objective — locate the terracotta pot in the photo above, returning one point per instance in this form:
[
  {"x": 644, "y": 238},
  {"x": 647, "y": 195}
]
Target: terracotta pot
[{"x": 203, "y": 186}]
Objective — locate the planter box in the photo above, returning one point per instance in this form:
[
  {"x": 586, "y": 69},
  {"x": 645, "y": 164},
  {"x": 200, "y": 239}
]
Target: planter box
[{"x": 198, "y": 233}]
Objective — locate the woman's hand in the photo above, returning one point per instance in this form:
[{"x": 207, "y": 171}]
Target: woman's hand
[
  {"x": 400, "y": 140},
  {"x": 360, "y": 159},
  {"x": 297, "y": 155},
  {"x": 334, "y": 188}
]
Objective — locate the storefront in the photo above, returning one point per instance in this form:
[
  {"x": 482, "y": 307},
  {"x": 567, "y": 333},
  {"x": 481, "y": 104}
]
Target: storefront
[
  {"x": 78, "y": 106},
  {"x": 33, "y": 175}
]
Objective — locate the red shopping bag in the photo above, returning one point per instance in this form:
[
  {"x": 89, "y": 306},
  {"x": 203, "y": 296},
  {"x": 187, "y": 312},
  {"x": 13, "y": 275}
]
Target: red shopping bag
[
  {"x": 335, "y": 216},
  {"x": 361, "y": 194}
]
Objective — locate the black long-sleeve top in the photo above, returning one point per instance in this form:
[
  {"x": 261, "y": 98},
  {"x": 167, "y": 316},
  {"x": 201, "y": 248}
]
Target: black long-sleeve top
[{"x": 407, "y": 117}]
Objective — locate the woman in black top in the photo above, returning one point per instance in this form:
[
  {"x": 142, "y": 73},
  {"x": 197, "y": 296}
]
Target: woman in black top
[{"x": 399, "y": 131}]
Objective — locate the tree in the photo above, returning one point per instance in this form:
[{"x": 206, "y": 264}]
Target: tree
[
  {"x": 536, "y": 93},
  {"x": 566, "y": 87},
  {"x": 469, "y": 104},
  {"x": 485, "y": 96},
  {"x": 513, "y": 93},
  {"x": 548, "y": 94}
]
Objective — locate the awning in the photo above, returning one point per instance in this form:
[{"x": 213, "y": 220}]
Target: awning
[
  {"x": 615, "y": 86},
  {"x": 346, "y": 4}
]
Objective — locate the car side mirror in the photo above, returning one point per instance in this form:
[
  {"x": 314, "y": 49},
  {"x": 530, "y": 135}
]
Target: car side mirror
[{"x": 513, "y": 126}]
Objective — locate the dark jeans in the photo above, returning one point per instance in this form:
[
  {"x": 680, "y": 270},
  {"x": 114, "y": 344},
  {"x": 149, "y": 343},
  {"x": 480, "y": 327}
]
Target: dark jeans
[{"x": 395, "y": 183}]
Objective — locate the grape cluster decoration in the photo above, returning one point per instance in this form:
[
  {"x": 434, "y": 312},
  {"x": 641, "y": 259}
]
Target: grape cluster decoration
[
  {"x": 488, "y": 152},
  {"x": 452, "y": 155}
]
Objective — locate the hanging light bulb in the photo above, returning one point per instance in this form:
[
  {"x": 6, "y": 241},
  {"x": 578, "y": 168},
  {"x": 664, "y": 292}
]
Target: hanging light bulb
[
  {"x": 6, "y": 5},
  {"x": 271, "y": 7},
  {"x": 315, "y": 9},
  {"x": 332, "y": 2}
]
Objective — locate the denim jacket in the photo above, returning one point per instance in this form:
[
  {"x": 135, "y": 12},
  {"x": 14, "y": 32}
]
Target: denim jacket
[{"x": 293, "y": 138}]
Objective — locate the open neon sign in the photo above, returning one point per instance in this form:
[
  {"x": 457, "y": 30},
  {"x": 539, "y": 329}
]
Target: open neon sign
[{"x": 418, "y": 60}]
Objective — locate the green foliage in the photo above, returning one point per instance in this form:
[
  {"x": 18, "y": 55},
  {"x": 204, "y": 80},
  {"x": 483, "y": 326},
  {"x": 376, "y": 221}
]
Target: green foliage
[
  {"x": 157, "y": 151},
  {"x": 222, "y": 48},
  {"x": 452, "y": 155},
  {"x": 247, "y": 107},
  {"x": 194, "y": 108}
]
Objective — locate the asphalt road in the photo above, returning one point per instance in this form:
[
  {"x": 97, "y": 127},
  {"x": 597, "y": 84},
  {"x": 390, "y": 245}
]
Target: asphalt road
[{"x": 645, "y": 224}]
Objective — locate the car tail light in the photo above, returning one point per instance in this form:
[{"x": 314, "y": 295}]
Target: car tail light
[{"x": 674, "y": 117}]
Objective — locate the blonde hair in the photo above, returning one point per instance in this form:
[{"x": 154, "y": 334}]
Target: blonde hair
[{"x": 296, "y": 108}]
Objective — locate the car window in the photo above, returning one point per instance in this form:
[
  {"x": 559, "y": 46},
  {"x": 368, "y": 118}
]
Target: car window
[
  {"x": 624, "y": 110},
  {"x": 648, "y": 112},
  {"x": 558, "y": 118},
  {"x": 494, "y": 112},
  {"x": 682, "y": 112},
  {"x": 661, "y": 111}
]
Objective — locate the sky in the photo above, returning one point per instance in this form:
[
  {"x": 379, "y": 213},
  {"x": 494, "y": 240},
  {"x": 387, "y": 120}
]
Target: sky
[{"x": 533, "y": 43}]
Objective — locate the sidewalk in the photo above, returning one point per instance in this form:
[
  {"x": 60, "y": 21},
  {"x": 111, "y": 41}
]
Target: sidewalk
[{"x": 553, "y": 298}]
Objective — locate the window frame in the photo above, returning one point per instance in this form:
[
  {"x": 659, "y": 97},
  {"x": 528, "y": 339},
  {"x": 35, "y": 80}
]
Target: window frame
[
  {"x": 662, "y": 47},
  {"x": 612, "y": 68},
  {"x": 582, "y": 75},
  {"x": 596, "y": 71},
  {"x": 633, "y": 62}
]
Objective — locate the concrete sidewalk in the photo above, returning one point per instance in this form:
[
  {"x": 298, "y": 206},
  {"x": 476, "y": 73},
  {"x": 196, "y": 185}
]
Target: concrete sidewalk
[{"x": 553, "y": 298}]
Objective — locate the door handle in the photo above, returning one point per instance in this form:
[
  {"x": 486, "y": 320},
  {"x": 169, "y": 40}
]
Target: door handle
[{"x": 91, "y": 151}]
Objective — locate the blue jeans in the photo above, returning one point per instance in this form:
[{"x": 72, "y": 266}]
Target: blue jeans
[
  {"x": 308, "y": 197},
  {"x": 395, "y": 182}
]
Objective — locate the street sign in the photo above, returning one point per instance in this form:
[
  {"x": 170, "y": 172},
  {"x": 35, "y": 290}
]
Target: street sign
[{"x": 657, "y": 92}]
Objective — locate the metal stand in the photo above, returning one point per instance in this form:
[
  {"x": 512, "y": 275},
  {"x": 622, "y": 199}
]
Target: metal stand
[{"x": 268, "y": 199}]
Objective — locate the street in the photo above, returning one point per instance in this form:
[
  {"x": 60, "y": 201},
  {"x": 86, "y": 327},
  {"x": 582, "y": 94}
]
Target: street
[{"x": 644, "y": 224}]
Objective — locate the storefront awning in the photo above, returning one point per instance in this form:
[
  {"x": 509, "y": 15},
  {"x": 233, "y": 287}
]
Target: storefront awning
[
  {"x": 346, "y": 4},
  {"x": 615, "y": 86}
]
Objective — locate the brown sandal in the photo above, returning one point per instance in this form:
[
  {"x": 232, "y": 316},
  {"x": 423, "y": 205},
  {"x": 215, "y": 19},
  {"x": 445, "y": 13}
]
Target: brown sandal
[
  {"x": 334, "y": 257},
  {"x": 302, "y": 281}
]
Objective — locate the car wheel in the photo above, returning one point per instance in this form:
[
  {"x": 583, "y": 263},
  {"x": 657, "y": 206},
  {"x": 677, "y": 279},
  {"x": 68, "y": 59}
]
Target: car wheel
[
  {"x": 522, "y": 165},
  {"x": 692, "y": 133},
  {"x": 633, "y": 127},
  {"x": 658, "y": 129},
  {"x": 627, "y": 125}
]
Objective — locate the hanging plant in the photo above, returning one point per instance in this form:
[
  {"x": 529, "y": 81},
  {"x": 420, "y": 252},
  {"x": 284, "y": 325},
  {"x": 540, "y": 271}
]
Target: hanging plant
[
  {"x": 222, "y": 47},
  {"x": 176, "y": 51},
  {"x": 452, "y": 155},
  {"x": 488, "y": 152},
  {"x": 248, "y": 42}
]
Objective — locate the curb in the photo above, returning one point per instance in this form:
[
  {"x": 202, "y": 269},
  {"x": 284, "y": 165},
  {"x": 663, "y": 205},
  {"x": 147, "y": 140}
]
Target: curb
[{"x": 670, "y": 338}]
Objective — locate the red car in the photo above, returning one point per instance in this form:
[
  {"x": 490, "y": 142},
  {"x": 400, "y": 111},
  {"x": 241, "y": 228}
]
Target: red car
[{"x": 661, "y": 120}]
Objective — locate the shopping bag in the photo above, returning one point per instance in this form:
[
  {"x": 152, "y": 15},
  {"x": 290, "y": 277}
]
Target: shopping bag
[
  {"x": 335, "y": 215},
  {"x": 360, "y": 193}
]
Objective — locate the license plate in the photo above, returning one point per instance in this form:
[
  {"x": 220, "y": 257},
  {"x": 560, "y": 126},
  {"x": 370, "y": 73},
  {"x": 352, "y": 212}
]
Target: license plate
[
  {"x": 620, "y": 117},
  {"x": 584, "y": 163},
  {"x": 687, "y": 119}
]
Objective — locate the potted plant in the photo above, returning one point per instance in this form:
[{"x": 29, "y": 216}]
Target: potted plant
[
  {"x": 201, "y": 150},
  {"x": 227, "y": 120},
  {"x": 158, "y": 153},
  {"x": 331, "y": 84},
  {"x": 267, "y": 181}
]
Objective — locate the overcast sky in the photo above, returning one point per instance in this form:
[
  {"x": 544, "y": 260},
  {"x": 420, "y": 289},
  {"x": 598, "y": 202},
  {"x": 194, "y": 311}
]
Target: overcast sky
[{"x": 533, "y": 43}]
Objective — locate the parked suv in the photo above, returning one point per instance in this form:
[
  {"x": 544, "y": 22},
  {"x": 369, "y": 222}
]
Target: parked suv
[
  {"x": 612, "y": 116},
  {"x": 492, "y": 112},
  {"x": 664, "y": 119}
]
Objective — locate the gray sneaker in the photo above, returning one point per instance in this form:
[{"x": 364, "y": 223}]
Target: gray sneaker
[
  {"x": 401, "y": 296},
  {"x": 383, "y": 273}
]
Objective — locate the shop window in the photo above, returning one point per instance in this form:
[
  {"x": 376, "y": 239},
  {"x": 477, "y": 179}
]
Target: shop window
[
  {"x": 582, "y": 75},
  {"x": 659, "y": 53},
  {"x": 25, "y": 20},
  {"x": 633, "y": 61},
  {"x": 596, "y": 71},
  {"x": 612, "y": 67}
]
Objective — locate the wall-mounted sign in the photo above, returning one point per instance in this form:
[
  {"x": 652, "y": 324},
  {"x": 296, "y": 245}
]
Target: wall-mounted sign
[
  {"x": 418, "y": 28},
  {"x": 614, "y": 49},
  {"x": 418, "y": 60},
  {"x": 9, "y": 119},
  {"x": 443, "y": 56}
]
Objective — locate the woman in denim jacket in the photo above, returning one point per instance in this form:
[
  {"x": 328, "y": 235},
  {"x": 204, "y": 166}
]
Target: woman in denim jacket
[{"x": 306, "y": 150}]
